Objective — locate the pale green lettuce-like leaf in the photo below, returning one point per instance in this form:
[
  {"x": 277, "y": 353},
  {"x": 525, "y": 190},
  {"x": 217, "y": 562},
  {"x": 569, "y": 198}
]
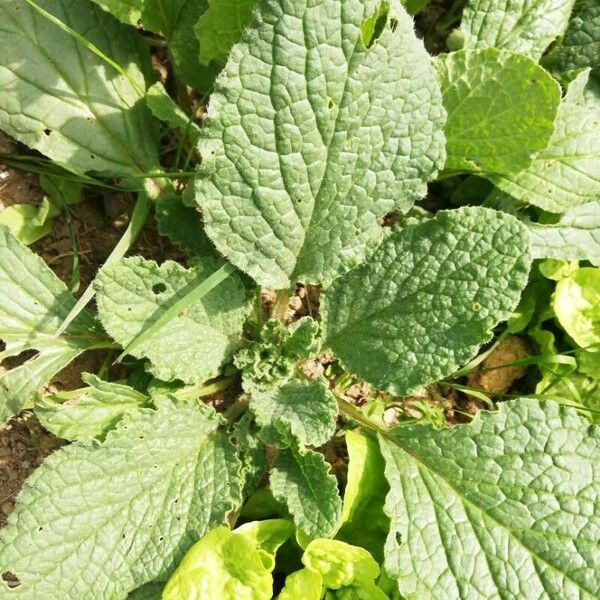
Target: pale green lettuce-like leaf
[
  {"x": 580, "y": 46},
  {"x": 504, "y": 507},
  {"x": 301, "y": 479},
  {"x": 64, "y": 101},
  {"x": 340, "y": 564},
  {"x": 501, "y": 110},
  {"x": 123, "y": 512},
  {"x": 229, "y": 565},
  {"x": 567, "y": 172},
  {"x": 428, "y": 298},
  {"x": 134, "y": 293},
  {"x": 25, "y": 223},
  {"x": 576, "y": 236},
  {"x": 311, "y": 136},
  {"x": 306, "y": 409},
  {"x": 87, "y": 413},
  {"x": 221, "y": 26},
  {"x": 523, "y": 27},
  {"x": 576, "y": 302},
  {"x": 163, "y": 107},
  {"x": 305, "y": 584},
  {"x": 33, "y": 304},
  {"x": 364, "y": 496}
]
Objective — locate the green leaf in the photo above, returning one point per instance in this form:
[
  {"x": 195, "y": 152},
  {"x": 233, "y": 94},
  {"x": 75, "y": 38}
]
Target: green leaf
[
  {"x": 150, "y": 591},
  {"x": 576, "y": 236},
  {"x": 505, "y": 507},
  {"x": 229, "y": 565},
  {"x": 163, "y": 107},
  {"x": 580, "y": 46},
  {"x": 252, "y": 452},
  {"x": 364, "y": 496},
  {"x": 428, "y": 298},
  {"x": 306, "y": 410},
  {"x": 501, "y": 110},
  {"x": 123, "y": 512},
  {"x": 221, "y": 26},
  {"x": 271, "y": 361},
  {"x": 63, "y": 100},
  {"x": 566, "y": 173},
  {"x": 90, "y": 412},
  {"x": 310, "y": 137},
  {"x": 305, "y": 584},
  {"x": 183, "y": 226},
  {"x": 134, "y": 293},
  {"x": 340, "y": 564},
  {"x": 523, "y": 27},
  {"x": 301, "y": 479},
  {"x": 23, "y": 221},
  {"x": 33, "y": 304},
  {"x": 576, "y": 302}
]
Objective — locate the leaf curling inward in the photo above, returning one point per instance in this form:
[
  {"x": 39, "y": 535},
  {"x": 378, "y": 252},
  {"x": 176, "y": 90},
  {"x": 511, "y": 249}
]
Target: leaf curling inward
[{"x": 372, "y": 28}]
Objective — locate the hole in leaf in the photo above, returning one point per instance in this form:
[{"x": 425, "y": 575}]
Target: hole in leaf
[
  {"x": 398, "y": 538},
  {"x": 331, "y": 103},
  {"x": 47, "y": 132},
  {"x": 372, "y": 27},
  {"x": 159, "y": 288},
  {"x": 393, "y": 24},
  {"x": 11, "y": 580}
]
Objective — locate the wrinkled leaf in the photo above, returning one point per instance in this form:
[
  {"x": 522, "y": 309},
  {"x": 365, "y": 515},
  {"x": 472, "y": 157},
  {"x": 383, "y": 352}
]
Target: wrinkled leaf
[
  {"x": 501, "y": 110},
  {"x": 428, "y": 298},
  {"x": 523, "y": 27},
  {"x": 507, "y": 506},
  {"x": 291, "y": 190},
  {"x": 576, "y": 236},
  {"x": 123, "y": 512},
  {"x": 134, "y": 293}
]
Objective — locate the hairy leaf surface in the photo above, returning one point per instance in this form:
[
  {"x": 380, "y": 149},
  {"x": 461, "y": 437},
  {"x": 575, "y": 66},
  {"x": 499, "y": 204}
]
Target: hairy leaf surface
[
  {"x": 523, "y": 27},
  {"x": 123, "y": 512},
  {"x": 301, "y": 479},
  {"x": 501, "y": 110},
  {"x": 63, "y": 100},
  {"x": 505, "y": 507},
  {"x": 33, "y": 304},
  {"x": 428, "y": 298},
  {"x": 567, "y": 172},
  {"x": 312, "y": 133},
  {"x": 134, "y": 293},
  {"x": 306, "y": 410},
  {"x": 576, "y": 236}
]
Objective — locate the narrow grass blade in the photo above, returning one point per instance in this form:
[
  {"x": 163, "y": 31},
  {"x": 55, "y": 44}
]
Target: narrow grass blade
[{"x": 138, "y": 219}]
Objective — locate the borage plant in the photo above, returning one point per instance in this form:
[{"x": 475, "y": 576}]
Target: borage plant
[{"x": 326, "y": 121}]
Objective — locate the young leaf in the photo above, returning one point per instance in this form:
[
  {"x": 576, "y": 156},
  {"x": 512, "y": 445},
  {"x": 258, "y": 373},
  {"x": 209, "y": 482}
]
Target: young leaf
[
  {"x": 305, "y": 584},
  {"x": 311, "y": 136},
  {"x": 306, "y": 410},
  {"x": 364, "y": 496},
  {"x": 505, "y": 507},
  {"x": 221, "y": 26},
  {"x": 33, "y": 304},
  {"x": 580, "y": 46},
  {"x": 523, "y": 27},
  {"x": 123, "y": 512},
  {"x": 135, "y": 294},
  {"x": 301, "y": 479},
  {"x": 576, "y": 302},
  {"x": 90, "y": 412},
  {"x": 60, "y": 98},
  {"x": 576, "y": 236},
  {"x": 428, "y": 298},
  {"x": 567, "y": 172},
  {"x": 501, "y": 110},
  {"x": 27, "y": 222}
]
